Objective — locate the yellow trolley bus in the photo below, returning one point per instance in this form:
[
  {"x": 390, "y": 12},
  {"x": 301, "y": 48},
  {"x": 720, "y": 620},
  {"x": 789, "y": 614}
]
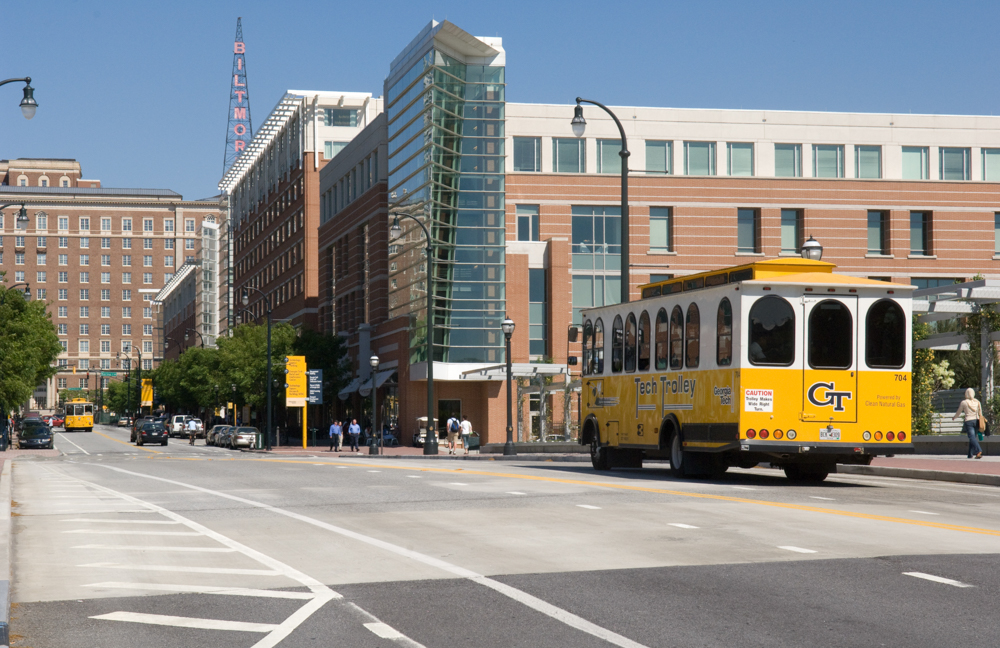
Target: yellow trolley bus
[
  {"x": 79, "y": 415},
  {"x": 780, "y": 361}
]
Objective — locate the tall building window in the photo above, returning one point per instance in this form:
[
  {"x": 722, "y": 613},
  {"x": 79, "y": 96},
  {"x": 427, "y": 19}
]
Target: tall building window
[
  {"x": 920, "y": 233},
  {"x": 594, "y": 290},
  {"x": 41, "y": 221},
  {"x": 748, "y": 230},
  {"x": 699, "y": 158},
  {"x": 915, "y": 166},
  {"x": 878, "y": 232},
  {"x": 330, "y": 149},
  {"x": 126, "y": 224},
  {"x": 527, "y": 223},
  {"x": 954, "y": 163},
  {"x": 739, "y": 159},
  {"x": 659, "y": 157},
  {"x": 828, "y": 161},
  {"x": 63, "y": 223},
  {"x": 791, "y": 231},
  {"x": 608, "y": 158},
  {"x": 868, "y": 162},
  {"x": 996, "y": 233},
  {"x": 340, "y": 117},
  {"x": 105, "y": 224},
  {"x": 537, "y": 312},
  {"x": 528, "y": 154},
  {"x": 661, "y": 229},
  {"x": 991, "y": 165},
  {"x": 569, "y": 155},
  {"x": 596, "y": 238}
]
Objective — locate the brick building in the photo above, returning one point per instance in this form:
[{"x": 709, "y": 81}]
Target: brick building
[{"x": 97, "y": 256}]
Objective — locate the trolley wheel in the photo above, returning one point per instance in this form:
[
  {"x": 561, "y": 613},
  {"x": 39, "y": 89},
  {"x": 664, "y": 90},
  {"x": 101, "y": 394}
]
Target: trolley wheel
[
  {"x": 807, "y": 472},
  {"x": 677, "y": 457},
  {"x": 599, "y": 457}
]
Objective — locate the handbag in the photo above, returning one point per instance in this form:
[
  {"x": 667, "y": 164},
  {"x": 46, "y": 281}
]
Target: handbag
[{"x": 982, "y": 421}]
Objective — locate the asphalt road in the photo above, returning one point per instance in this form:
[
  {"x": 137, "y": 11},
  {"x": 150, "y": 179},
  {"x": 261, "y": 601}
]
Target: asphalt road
[{"x": 122, "y": 546}]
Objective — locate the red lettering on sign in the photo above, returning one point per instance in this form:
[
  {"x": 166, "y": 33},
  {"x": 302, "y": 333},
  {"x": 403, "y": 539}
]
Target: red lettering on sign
[
  {"x": 239, "y": 63},
  {"x": 239, "y": 95},
  {"x": 240, "y": 145},
  {"x": 239, "y": 129},
  {"x": 240, "y": 113},
  {"x": 236, "y": 81},
  {"x": 239, "y": 48}
]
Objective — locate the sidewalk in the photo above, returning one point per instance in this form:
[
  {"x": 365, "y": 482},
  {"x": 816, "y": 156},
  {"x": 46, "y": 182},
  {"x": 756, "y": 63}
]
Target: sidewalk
[
  {"x": 404, "y": 452},
  {"x": 950, "y": 468}
]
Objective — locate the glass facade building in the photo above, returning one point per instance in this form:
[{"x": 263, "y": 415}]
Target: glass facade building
[{"x": 445, "y": 110}]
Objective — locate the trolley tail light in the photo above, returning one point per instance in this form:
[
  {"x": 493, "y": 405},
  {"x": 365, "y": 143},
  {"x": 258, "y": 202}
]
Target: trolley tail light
[
  {"x": 763, "y": 434},
  {"x": 791, "y": 435},
  {"x": 878, "y": 436},
  {"x": 889, "y": 436},
  {"x": 778, "y": 434},
  {"x": 751, "y": 434},
  {"x": 902, "y": 436}
]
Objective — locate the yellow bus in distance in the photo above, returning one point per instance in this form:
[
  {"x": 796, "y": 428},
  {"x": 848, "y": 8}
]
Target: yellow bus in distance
[
  {"x": 79, "y": 415},
  {"x": 779, "y": 361}
]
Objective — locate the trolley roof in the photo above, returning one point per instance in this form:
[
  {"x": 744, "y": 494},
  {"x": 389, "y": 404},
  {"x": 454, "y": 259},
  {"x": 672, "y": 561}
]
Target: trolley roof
[{"x": 790, "y": 271}]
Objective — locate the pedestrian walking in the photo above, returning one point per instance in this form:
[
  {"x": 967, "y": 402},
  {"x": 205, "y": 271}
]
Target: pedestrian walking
[
  {"x": 336, "y": 435},
  {"x": 972, "y": 412},
  {"x": 453, "y": 427},
  {"x": 354, "y": 430},
  {"x": 466, "y": 433}
]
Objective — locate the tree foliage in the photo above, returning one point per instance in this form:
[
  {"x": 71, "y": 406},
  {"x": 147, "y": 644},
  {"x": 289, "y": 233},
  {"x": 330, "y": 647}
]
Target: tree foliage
[
  {"x": 329, "y": 353},
  {"x": 243, "y": 359},
  {"x": 923, "y": 378},
  {"x": 29, "y": 346}
]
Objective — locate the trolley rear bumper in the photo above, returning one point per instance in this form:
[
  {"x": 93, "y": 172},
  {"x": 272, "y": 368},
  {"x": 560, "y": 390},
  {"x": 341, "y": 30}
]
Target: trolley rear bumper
[{"x": 825, "y": 448}]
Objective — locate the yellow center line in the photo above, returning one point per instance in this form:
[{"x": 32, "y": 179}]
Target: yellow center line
[
  {"x": 125, "y": 443},
  {"x": 647, "y": 489}
]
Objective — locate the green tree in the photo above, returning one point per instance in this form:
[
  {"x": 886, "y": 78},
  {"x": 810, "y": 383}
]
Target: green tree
[
  {"x": 188, "y": 383},
  {"x": 923, "y": 378},
  {"x": 329, "y": 353},
  {"x": 243, "y": 360},
  {"x": 29, "y": 347},
  {"x": 121, "y": 396}
]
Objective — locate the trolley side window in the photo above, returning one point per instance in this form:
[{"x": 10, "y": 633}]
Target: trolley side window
[
  {"x": 724, "y": 334},
  {"x": 644, "y": 341},
  {"x": 831, "y": 336},
  {"x": 692, "y": 354},
  {"x": 676, "y": 338},
  {"x": 662, "y": 339},
  {"x": 772, "y": 332},
  {"x": 630, "y": 343},
  {"x": 598, "y": 347},
  {"x": 886, "y": 331},
  {"x": 88, "y": 409},
  {"x": 588, "y": 332},
  {"x": 617, "y": 342}
]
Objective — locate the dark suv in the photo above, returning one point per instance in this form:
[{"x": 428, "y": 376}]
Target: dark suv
[{"x": 149, "y": 432}]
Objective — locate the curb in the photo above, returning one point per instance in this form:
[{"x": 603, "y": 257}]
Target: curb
[
  {"x": 915, "y": 473},
  {"x": 5, "y": 553},
  {"x": 445, "y": 457}
]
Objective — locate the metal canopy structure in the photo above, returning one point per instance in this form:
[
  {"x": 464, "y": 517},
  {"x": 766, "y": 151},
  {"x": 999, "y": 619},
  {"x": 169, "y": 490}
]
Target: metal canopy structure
[
  {"x": 954, "y": 302},
  {"x": 518, "y": 370},
  {"x": 271, "y": 127}
]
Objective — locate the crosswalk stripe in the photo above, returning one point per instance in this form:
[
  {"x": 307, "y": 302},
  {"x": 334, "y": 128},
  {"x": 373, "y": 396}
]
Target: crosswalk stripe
[
  {"x": 122, "y": 521},
  {"x": 204, "y": 589},
  {"x": 186, "y": 622},
  {"x": 156, "y": 549},
  {"x": 189, "y": 570},
  {"x": 144, "y": 533}
]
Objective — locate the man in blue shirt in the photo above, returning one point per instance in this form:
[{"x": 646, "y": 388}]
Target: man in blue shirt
[
  {"x": 336, "y": 434},
  {"x": 354, "y": 430}
]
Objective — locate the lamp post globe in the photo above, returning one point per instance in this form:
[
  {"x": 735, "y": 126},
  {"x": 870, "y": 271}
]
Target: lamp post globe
[
  {"x": 578, "y": 123},
  {"x": 507, "y": 326},
  {"x": 396, "y": 230},
  {"x": 28, "y": 104},
  {"x": 812, "y": 250}
]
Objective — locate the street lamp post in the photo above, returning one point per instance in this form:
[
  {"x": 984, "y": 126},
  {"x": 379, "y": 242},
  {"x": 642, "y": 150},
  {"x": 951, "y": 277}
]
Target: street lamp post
[
  {"x": 579, "y": 124},
  {"x": 138, "y": 380},
  {"x": 28, "y": 103},
  {"x": 375, "y": 447},
  {"x": 507, "y": 326},
  {"x": 26, "y": 293},
  {"x": 431, "y": 442},
  {"x": 267, "y": 304},
  {"x": 187, "y": 336},
  {"x": 234, "y": 403}
]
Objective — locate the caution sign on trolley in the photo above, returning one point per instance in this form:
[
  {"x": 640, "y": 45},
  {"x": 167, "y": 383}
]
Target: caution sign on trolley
[{"x": 296, "y": 389}]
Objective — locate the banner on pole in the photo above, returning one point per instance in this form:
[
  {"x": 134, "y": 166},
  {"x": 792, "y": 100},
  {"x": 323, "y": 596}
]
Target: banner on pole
[
  {"x": 296, "y": 389},
  {"x": 147, "y": 392},
  {"x": 315, "y": 378}
]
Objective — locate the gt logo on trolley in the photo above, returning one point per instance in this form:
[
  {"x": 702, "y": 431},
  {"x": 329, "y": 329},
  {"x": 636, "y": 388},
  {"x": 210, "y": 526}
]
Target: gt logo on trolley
[{"x": 830, "y": 396}]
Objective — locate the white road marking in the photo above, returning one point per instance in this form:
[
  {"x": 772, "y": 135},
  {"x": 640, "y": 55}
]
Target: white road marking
[
  {"x": 204, "y": 589},
  {"x": 156, "y": 549},
  {"x": 187, "y": 622},
  {"x": 588, "y": 506},
  {"x": 457, "y": 484},
  {"x": 71, "y": 443},
  {"x": 743, "y": 488},
  {"x": 923, "y": 512},
  {"x": 384, "y": 630},
  {"x": 797, "y": 549},
  {"x": 682, "y": 526},
  {"x": 188, "y": 570},
  {"x": 122, "y": 521},
  {"x": 546, "y": 608},
  {"x": 937, "y": 579},
  {"x": 828, "y": 499},
  {"x": 410, "y": 476},
  {"x": 143, "y": 533},
  {"x": 515, "y": 493},
  {"x": 374, "y": 471}
]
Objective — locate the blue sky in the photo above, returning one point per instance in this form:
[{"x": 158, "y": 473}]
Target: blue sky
[{"x": 138, "y": 91}]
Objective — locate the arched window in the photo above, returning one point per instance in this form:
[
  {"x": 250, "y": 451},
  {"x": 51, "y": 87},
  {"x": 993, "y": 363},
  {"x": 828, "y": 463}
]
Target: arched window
[
  {"x": 662, "y": 339},
  {"x": 630, "y": 343},
  {"x": 724, "y": 334},
  {"x": 644, "y": 341},
  {"x": 676, "y": 338},
  {"x": 886, "y": 335},
  {"x": 588, "y": 332},
  {"x": 617, "y": 344},
  {"x": 598, "y": 357},
  {"x": 772, "y": 332},
  {"x": 692, "y": 355},
  {"x": 831, "y": 336}
]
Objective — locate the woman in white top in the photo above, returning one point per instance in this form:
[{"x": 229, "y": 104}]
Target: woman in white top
[{"x": 971, "y": 409}]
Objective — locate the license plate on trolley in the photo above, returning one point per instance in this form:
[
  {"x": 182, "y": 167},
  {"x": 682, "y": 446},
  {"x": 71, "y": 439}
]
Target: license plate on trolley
[{"x": 828, "y": 434}]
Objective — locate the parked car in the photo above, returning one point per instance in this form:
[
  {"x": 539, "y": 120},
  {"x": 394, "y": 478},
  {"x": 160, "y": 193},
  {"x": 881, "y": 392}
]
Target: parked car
[
  {"x": 199, "y": 428},
  {"x": 243, "y": 437},
  {"x": 223, "y": 438},
  {"x": 212, "y": 434},
  {"x": 176, "y": 427},
  {"x": 34, "y": 433},
  {"x": 57, "y": 421},
  {"x": 150, "y": 432},
  {"x": 125, "y": 421}
]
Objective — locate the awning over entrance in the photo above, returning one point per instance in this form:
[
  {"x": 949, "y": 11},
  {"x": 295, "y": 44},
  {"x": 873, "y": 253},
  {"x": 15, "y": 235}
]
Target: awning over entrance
[
  {"x": 517, "y": 370},
  {"x": 366, "y": 387},
  {"x": 346, "y": 392}
]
